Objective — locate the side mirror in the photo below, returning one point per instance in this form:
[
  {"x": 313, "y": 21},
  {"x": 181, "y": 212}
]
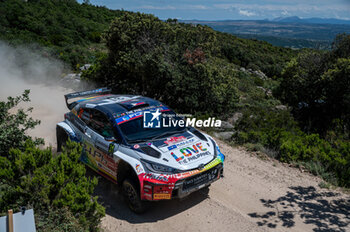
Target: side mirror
[{"x": 110, "y": 139}]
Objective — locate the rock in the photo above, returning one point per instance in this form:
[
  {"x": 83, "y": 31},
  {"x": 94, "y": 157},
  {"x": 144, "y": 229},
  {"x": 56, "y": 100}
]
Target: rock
[
  {"x": 85, "y": 67},
  {"x": 262, "y": 88},
  {"x": 224, "y": 135},
  {"x": 281, "y": 107},
  {"x": 71, "y": 80},
  {"x": 260, "y": 74},
  {"x": 226, "y": 125},
  {"x": 236, "y": 116},
  {"x": 269, "y": 93}
]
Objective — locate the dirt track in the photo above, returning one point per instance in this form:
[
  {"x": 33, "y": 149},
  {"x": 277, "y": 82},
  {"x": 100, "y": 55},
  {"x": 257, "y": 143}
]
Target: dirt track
[{"x": 255, "y": 195}]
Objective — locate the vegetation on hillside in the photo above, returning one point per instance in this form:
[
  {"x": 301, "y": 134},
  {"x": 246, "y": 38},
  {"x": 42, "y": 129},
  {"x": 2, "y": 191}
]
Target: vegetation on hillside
[
  {"x": 197, "y": 70},
  {"x": 316, "y": 86},
  {"x": 54, "y": 185},
  {"x": 70, "y": 31},
  {"x": 184, "y": 65}
]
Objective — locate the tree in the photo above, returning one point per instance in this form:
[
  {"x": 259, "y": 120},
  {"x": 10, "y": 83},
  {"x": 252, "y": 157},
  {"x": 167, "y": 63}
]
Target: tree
[
  {"x": 337, "y": 93},
  {"x": 13, "y": 126},
  {"x": 341, "y": 46},
  {"x": 168, "y": 61},
  {"x": 317, "y": 85}
]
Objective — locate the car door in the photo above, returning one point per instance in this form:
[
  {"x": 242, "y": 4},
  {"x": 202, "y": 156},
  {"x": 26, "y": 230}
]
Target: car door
[
  {"x": 105, "y": 143},
  {"x": 88, "y": 140}
]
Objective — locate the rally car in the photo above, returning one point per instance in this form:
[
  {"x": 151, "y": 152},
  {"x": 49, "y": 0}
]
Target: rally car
[{"x": 150, "y": 164}]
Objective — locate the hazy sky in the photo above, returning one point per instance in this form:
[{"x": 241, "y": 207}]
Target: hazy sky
[{"x": 233, "y": 9}]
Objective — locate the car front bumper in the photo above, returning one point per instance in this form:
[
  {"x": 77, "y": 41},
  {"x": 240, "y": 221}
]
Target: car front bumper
[{"x": 182, "y": 187}]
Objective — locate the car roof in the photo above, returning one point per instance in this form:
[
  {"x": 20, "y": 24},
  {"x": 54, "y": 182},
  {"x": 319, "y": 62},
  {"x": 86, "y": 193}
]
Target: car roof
[{"x": 114, "y": 105}]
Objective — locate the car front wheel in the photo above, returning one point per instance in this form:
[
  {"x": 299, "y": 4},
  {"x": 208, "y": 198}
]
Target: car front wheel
[{"x": 132, "y": 196}]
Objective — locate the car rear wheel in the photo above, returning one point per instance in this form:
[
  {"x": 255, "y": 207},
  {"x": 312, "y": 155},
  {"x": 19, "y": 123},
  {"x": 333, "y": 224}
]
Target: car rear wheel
[
  {"x": 132, "y": 195},
  {"x": 62, "y": 138}
]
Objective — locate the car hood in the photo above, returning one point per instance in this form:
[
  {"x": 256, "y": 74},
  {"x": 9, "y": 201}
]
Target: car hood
[{"x": 183, "y": 151}]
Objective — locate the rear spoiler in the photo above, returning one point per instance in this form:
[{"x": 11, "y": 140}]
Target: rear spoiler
[{"x": 93, "y": 92}]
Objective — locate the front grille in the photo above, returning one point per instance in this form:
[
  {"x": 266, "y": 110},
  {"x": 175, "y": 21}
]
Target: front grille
[{"x": 200, "y": 179}]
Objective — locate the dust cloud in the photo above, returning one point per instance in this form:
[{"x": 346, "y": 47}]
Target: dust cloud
[{"x": 24, "y": 68}]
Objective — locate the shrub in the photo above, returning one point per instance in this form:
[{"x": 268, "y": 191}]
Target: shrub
[
  {"x": 13, "y": 126},
  {"x": 54, "y": 185},
  {"x": 50, "y": 184},
  {"x": 277, "y": 130}
]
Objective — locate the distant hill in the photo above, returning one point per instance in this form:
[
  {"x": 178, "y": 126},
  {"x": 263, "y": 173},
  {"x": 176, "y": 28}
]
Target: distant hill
[
  {"x": 296, "y": 19},
  {"x": 289, "y": 42},
  {"x": 291, "y": 32}
]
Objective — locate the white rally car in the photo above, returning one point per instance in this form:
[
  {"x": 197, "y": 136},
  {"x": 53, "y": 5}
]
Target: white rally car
[{"x": 150, "y": 164}]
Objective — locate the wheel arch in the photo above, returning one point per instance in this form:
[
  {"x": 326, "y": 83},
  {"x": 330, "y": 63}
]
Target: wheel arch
[
  {"x": 124, "y": 171},
  {"x": 63, "y": 133}
]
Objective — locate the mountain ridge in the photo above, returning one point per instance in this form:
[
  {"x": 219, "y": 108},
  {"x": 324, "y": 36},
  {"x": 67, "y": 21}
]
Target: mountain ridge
[{"x": 313, "y": 20}]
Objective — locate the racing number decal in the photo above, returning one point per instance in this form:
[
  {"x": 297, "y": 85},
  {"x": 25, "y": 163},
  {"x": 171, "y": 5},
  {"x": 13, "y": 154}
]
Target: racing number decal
[{"x": 111, "y": 149}]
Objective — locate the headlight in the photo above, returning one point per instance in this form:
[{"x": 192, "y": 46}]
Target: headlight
[
  {"x": 159, "y": 168},
  {"x": 216, "y": 148},
  {"x": 217, "y": 151}
]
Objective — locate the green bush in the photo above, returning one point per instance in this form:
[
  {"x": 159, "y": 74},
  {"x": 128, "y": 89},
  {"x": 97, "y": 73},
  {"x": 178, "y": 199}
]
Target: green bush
[
  {"x": 13, "y": 127},
  {"x": 49, "y": 183},
  {"x": 54, "y": 185},
  {"x": 316, "y": 85},
  {"x": 277, "y": 130}
]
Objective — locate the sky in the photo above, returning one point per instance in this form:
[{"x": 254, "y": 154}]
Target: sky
[{"x": 233, "y": 9}]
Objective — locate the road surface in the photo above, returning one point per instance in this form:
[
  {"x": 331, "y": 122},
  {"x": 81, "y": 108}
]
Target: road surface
[{"x": 255, "y": 195}]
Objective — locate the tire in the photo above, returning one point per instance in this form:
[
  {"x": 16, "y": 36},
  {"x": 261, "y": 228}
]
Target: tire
[
  {"x": 62, "y": 138},
  {"x": 132, "y": 196}
]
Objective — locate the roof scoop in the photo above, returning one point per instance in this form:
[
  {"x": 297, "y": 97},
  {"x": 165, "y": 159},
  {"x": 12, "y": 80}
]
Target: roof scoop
[{"x": 134, "y": 104}]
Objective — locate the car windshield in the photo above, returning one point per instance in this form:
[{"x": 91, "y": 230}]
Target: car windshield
[{"x": 134, "y": 130}]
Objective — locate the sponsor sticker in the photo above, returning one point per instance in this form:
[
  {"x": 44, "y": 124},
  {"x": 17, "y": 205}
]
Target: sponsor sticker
[
  {"x": 172, "y": 147},
  {"x": 111, "y": 148},
  {"x": 136, "y": 146},
  {"x": 137, "y": 103},
  {"x": 190, "y": 153},
  {"x": 139, "y": 169},
  {"x": 161, "y": 196},
  {"x": 174, "y": 140}
]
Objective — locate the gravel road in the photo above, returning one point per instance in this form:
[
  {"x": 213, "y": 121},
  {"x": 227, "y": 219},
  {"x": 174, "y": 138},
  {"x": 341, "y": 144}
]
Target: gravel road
[{"x": 254, "y": 195}]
